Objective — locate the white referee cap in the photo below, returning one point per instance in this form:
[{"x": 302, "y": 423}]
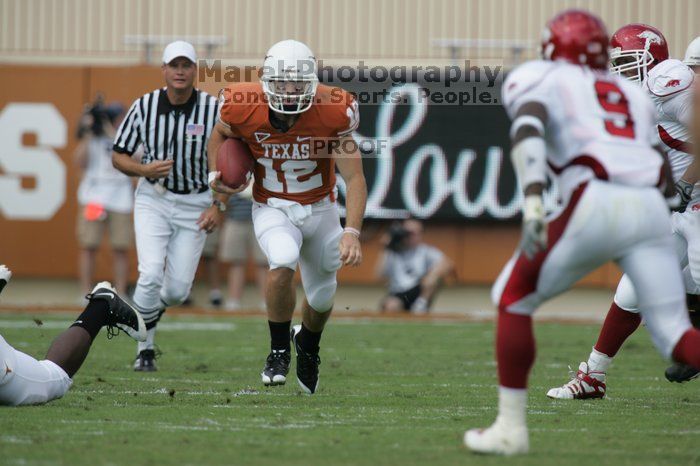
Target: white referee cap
[{"x": 179, "y": 48}]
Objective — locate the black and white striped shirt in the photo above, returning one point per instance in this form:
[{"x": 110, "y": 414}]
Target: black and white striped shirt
[{"x": 166, "y": 131}]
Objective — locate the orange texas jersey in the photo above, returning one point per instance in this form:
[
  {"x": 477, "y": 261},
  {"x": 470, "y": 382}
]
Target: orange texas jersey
[{"x": 296, "y": 165}]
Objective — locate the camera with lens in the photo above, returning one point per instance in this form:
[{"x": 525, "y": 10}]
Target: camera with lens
[
  {"x": 397, "y": 237},
  {"x": 96, "y": 116}
]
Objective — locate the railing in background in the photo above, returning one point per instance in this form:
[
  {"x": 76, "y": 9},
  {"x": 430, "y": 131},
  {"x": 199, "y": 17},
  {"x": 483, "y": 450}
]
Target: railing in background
[
  {"x": 93, "y": 31},
  {"x": 149, "y": 43},
  {"x": 511, "y": 51}
]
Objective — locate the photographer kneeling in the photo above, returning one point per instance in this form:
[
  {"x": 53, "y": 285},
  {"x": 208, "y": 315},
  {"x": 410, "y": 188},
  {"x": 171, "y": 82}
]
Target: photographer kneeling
[{"x": 414, "y": 270}]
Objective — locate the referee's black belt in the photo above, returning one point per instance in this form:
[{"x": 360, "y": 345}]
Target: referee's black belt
[{"x": 182, "y": 191}]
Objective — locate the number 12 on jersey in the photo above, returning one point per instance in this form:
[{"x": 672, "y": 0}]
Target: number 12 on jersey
[{"x": 290, "y": 176}]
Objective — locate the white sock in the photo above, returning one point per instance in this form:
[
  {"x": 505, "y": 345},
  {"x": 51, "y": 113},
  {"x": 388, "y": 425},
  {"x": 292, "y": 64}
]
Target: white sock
[
  {"x": 150, "y": 339},
  {"x": 598, "y": 362},
  {"x": 420, "y": 305},
  {"x": 512, "y": 405}
]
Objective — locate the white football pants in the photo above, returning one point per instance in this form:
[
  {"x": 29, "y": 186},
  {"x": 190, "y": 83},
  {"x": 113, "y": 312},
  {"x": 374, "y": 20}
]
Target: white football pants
[
  {"x": 605, "y": 222},
  {"x": 686, "y": 235},
  {"x": 313, "y": 245},
  {"x": 26, "y": 381}
]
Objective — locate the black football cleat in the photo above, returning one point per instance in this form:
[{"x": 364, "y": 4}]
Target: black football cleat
[
  {"x": 120, "y": 314},
  {"x": 680, "y": 373},
  {"x": 276, "y": 368},
  {"x": 307, "y": 365},
  {"x": 146, "y": 361}
]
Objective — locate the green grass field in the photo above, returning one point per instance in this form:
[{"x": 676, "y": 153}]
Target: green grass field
[{"x": 391, "y": 393}]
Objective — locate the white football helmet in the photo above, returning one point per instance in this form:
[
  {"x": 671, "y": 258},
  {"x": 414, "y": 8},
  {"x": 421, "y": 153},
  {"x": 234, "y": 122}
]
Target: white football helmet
[
  {"x": 289, "y": 77},
  {"x": 692, "y": 53}
]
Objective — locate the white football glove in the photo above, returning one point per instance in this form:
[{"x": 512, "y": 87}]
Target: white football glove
[{"x": 534, "y": 235}]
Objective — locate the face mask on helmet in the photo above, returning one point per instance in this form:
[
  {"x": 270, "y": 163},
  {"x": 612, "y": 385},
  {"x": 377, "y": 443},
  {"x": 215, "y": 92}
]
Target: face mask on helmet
[
  {"x": 631, "y": 64},
  {"x": 290, "y": 94}
]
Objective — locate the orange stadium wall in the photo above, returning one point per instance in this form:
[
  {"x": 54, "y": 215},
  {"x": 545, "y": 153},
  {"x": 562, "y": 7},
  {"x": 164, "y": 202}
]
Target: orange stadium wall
[{"x": 38, "y": 143}]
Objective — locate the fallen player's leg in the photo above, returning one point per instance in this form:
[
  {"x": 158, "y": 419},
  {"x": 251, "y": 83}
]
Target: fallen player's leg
[{"x": 26, "y": 381}]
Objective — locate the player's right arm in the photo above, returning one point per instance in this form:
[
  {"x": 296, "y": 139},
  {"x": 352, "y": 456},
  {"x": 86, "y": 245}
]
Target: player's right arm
[
  {"x": 525, "y": 99},
  {"x": 681, "y": 107},
  {"x": 126, "y": 142},
  {"x": 696, "y": 120},
  {"x": 672, "y": 88}
]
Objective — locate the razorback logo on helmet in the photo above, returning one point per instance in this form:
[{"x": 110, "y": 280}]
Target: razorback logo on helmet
[
  {"x": 673, "y": 83},
  {"x": 650, "y": 36}
]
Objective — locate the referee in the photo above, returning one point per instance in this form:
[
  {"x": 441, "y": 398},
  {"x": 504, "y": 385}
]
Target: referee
[{"x": 173, "y": 208}]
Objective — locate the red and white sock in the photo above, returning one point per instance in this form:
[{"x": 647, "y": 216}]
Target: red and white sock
[
  {"x": 687, "y": 350},
  {"x": 598, "y": 362},
  {"x": 512, "y": 406},
  {"x": 515, "y": 349},
  {"x": 617, "y": 328}
]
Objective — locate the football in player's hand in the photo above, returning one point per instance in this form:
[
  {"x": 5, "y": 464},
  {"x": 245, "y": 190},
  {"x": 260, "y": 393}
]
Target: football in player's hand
[{"x": 235, "y": 162}]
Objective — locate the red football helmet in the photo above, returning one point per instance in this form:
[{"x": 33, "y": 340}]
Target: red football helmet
[
  {"x": 578, "y": 37},
  {"x": 636, "y": 49}
]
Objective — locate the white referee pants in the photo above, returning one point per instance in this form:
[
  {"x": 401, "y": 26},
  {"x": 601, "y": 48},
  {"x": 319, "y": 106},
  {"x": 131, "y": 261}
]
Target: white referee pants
[
  {"x": 168, "y": 244},
  {"x": 26, "y": 381}
]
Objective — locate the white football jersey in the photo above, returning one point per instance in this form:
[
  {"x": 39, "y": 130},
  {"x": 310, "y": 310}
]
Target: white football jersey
[
  {"x": 670, "y": 85},
  {"x": 599, "y": 125}
]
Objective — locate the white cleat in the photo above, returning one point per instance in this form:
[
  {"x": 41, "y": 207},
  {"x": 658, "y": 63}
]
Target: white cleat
[
  {"x": 584, "y": 385},
  {"x": 5, "y": 273},
  {"x": 499, "y": 439}
]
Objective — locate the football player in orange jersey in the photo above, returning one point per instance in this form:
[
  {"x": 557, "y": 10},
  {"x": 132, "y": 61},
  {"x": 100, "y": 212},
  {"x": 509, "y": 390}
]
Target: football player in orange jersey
[{"x": 298, "y": 131}]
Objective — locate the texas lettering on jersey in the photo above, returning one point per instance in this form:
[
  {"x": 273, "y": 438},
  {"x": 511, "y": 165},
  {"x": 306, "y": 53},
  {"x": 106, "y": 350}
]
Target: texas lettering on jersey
[
  {"x": 288, "y": 165},
  {"x": 290, "y": 151}
]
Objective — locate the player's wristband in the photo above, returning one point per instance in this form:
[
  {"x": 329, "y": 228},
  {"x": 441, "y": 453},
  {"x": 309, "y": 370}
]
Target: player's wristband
[
  {"x": 353, "y": 231},
  {"x": 212, "y": 177}
]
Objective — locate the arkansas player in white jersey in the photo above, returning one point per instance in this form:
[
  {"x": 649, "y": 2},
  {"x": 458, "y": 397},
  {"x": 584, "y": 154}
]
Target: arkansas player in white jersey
[
  {"x": 594, "y": 130},
  {"x": 298, "y": 131},
  {"x": 640, "y": 53}
]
